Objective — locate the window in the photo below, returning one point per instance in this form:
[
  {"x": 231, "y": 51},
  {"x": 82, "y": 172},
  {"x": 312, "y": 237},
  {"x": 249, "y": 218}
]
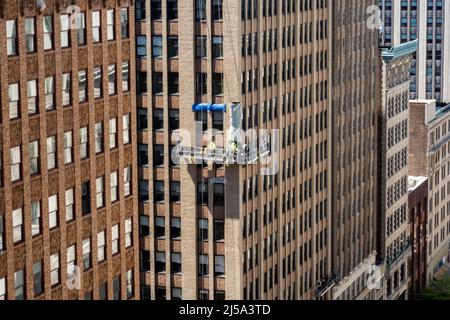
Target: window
[
  {"x": 140, "y": 9},
  {"x": 142, "y": 119},
  {"x": 116, "y": 288},
  {"x": 217, "y": 84},
  {"x": 203, "y": 294},
  {"x": 49, "y": 93},
  {"x": 144, "y": 226},
  {"x": 37, "y": 278},
  {"x": 17, "y": 225},
  {"x": 160, "y": 261},
  {"x": 82, "y": 86},
  {"x": 84, "y": 141},
  {"x": 48, "y": 33},
  {"x": 201, "y": 86},
  {"x": 15, "y": 156},
  {"x": 219, "y": 230},
  {"x": 68, "y": 145},
  {"x": 173, "y": 46},
  {"x": 127, "y": 181},
  {"x": 71, "y": 260},
  {"x": 99, "y": 192},
  {"x": 81, "y": 28},
  {"x": 174, "y": 119},
  {"x": 175, "y": 191},
  {"x": 102, "y": 291},
  {"x": 112, "y": 79},
  {"x": 160, "y": 293},
  {"x": 141, "y": 46},
  {"x": 96, "y": 33},
  {"x": 125, "y": 76},
  {"x": 112, "y": 133},
  {"x": 143, "y": 191},
  {"x": 203, "y": 229},
  {"x": 160, "y": 229},
  {"x": 34, "y": 157},
  {"x": 54, "y": 269},
  {"x": 128, "y": 233},
  {"x": 101, "y": 246},
  {"x": 156, "y": 9},
  {"x": 126, "y": 128},
  {"x": 217, "y": 47},
  {"x": 32, "y": 96},
  {"x": 86, "y": 253},
  {"x": 157, "y": 83},
  {"x": 30, "y": 34},
  {"x": 175, "y": 262},
  {"x": 13, "y": 94},
  {"x": 2, "y": 289},
  {"x": 175, "y": 228},
  {"x": 172, "y": 9},
  {"x": 85, "y": 198},
  {"x": 145, "y": 260},
  {"x": 35, "y": 218},
  {"x": 219, "y": 194},
  {"x": 217, "y": 9},
  {"x": 200, "y": 47},
  {"x": 99, "y": 137},
  {"x": 51, "y": 152},
  {"x": 66, "y": 89},
  {"x": 53, "y": 211},
  {"x": 129, "y": 283},
  {"x": 203, "y": 269},
  {"x": 114, "y": 185},
  {"x": 173, "y": 83},
  {"x": 110, "y": 24},
  {"x": 11, "y": 37},
  {"x": 219, "y": 265},
  {"x": 19, "y": 284},
  {"x": 157, "y": 48},
  {"x": 159, "y": 191},
  {"x": 115, "y": 239},
  {"x": 69, "y": 204},
  {"x": 65, "y": 30},
  {"x": 124, "y": 23},
  {"x": 97, "y": 82},
  {"x": 200, "y": 10}
]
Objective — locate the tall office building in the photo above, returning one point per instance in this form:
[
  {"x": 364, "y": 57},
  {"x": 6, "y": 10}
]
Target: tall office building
[
  {"x": 428, "y": 21},
  {"x": 429, "y": 147},
  {"x": 418, "y": 211},
  {"x": 68, "y": 201},
  {"x": 393, "y": 242},
  {"x": 236, "y": 231},
  {"x": 356, "y": 100}
]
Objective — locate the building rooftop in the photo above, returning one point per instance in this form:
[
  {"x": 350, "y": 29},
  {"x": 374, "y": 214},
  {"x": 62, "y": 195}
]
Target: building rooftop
[
  {"x": 399, "y": 51},
  {"x": 415, "y": 181}
]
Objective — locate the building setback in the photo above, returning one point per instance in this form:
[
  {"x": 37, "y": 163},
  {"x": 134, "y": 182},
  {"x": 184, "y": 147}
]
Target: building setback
[
  {"x": 394, "y": 247},
  {"x": 68, "y": 195},
  {"x": 427, "y": 21},
  {"x": 356, "y": 79},
  {"x": 429, "y": 145},
  {"x": 219, "y": 231}
]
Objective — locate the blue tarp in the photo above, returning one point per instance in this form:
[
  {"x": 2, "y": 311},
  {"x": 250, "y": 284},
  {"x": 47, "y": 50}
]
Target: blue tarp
[{"x": 199, "y": 107}]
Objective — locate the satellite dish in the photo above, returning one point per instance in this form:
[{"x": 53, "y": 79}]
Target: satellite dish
[{"x": 40, "y": 5}]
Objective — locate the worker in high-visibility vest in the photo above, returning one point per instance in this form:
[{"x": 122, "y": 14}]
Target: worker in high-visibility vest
[
  {"x": 212, "y": 147},
  {"x": 234, "y": 149}
]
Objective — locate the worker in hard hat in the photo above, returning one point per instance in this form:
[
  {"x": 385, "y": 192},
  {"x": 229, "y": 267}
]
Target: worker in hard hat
[
  {"x": 234, "y": 149},
  {"x": 211, "y": 148}
]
